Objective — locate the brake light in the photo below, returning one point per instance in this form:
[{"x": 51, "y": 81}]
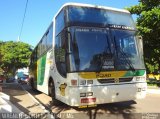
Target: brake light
[{"x": 88, "y": 100}]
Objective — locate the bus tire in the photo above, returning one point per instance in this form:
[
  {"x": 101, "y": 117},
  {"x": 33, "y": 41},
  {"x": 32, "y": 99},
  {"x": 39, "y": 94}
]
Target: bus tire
[{"x": 52, "y": 92}]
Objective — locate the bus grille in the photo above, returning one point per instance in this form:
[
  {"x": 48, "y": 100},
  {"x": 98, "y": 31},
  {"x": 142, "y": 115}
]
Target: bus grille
[
  {"x": 112, "y": 80},
  {"x": 125, "y": 79}
]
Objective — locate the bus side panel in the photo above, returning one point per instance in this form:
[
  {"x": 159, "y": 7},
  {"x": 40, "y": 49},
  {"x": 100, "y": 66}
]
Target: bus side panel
[
  {"x": 41, "y": 63},
  {"x": 43, "y": 72}
]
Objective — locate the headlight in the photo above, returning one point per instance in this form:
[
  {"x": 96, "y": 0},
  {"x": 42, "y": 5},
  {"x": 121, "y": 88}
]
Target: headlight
[
  {"x": 89, "y": 82},
  {"x": 139, "y": 79},
  {"x": 85, "y": 82},
  {"x": 82, "y": 82}
]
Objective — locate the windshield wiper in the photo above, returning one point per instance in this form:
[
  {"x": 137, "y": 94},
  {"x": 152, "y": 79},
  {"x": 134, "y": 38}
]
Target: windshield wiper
[
  {"x": 124, "y": 56},
  {"x": 127, "y": 60},
  {"x": 105, "y": 55},
  {"x": 103, "y": 58}
]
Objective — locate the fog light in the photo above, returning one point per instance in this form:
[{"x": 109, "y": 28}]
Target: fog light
[
  {"x": 82, "y": 94},
  {"x": 90, "y": 94}
]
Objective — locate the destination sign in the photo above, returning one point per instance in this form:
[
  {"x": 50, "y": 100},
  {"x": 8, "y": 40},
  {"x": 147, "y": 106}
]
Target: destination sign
[{"x": 121, "y": 27}]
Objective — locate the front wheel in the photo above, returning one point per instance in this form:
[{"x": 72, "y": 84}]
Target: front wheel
[
  {"x": 51, "y": 89},
  {"x": 52, "y": 92}
]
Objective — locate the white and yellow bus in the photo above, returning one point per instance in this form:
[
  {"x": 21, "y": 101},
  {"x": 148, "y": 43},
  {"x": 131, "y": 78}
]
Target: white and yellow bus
[{"x": 89, "y": 55}]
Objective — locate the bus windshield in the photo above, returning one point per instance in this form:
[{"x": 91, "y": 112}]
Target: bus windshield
[
  {"x": 89, "y": 47},
  {"x": 88, "y": 15},
  {"x": 94, "y": 50},
  {"x": 127, "y": 51}
]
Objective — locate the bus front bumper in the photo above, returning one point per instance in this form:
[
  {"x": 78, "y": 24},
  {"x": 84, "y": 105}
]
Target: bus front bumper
[{"x": 93, "y": 95}]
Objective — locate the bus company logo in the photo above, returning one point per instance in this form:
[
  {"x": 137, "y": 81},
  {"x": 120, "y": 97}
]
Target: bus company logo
[
  {"x": 99, "y": 75},
  {"x": 62, "y": 89},
  {"x": 116, "y": 80}
]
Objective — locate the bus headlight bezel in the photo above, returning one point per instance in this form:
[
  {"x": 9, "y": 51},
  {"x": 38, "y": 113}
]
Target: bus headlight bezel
[
  {"x": 85, "y": 82},
  {"x": 82, "y": 82},
  {"x": 140, "y": 79},
  {"x": 89, "y": 82}
]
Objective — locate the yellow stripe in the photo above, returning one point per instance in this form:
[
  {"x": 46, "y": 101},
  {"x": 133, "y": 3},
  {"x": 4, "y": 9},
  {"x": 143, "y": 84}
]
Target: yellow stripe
[{"x": 100, "y": 75}]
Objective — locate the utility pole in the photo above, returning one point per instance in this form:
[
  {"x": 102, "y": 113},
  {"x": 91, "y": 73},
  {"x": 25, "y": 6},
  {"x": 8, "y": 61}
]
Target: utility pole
[{"x": 18, "y": 39}]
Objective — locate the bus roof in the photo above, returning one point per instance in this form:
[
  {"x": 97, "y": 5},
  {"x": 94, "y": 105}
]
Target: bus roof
[{"x": 92, "y": 6}]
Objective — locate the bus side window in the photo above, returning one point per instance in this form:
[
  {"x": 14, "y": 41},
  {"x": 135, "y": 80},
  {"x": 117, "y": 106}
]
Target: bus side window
[
  {"x": 49, "y": 38},
  {"x": 60, "y": 51}
]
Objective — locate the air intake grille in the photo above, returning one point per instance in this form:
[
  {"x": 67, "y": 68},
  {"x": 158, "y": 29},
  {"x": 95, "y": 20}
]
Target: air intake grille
[
  {"x": 112, "y": 80},
  {"x": 125, "y": 79}
]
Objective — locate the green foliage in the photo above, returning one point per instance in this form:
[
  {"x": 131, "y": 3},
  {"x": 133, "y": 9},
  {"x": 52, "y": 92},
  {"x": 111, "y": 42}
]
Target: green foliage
[
  {"x": 1, "y": 71},
  {"x": 148, "y": 25},
  {"x": 14, "y": 55}
]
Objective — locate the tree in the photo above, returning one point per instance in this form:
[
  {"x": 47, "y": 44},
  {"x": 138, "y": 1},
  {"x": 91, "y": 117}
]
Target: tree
[
  {"x": 148, "y": 25},
  {"x": 14, "y": 55}
]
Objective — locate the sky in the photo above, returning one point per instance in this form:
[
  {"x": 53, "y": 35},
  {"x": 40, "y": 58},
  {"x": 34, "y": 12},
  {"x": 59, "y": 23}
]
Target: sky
[{"x": 39, "y": 15}]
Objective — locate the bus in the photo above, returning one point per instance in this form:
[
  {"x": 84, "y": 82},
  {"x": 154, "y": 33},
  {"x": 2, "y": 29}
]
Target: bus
[{"x": 89, "y": 55}]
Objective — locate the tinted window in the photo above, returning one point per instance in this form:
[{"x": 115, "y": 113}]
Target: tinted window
[
  {"x": 38, "y": 51},
  {"x": 99, "y": 16},
  {"x": 41, "y": 50},
  {"x": 44, "y": 42},
  {"x": 89, "y": 46},
  {"x": 59, "y": 22},
  {"x": 49, "y": 37},
  {"x": 127, "y": 50},
  {"x": 60, "y": 51}
]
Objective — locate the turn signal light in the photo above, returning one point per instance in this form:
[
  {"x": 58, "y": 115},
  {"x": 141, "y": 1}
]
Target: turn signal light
[{"x": 74, "y": 82}]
